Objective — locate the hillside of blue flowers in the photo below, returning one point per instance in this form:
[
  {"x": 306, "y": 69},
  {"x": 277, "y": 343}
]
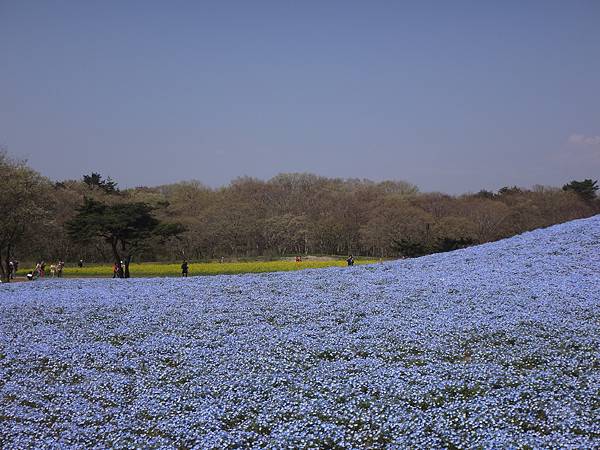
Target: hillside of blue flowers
[{"x": 493, "y": 346}]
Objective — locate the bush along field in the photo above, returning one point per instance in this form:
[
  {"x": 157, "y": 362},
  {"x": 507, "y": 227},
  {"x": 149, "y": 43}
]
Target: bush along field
[
  {"x": 206, "y": 268},
  {"x": 495, "y": 346}
]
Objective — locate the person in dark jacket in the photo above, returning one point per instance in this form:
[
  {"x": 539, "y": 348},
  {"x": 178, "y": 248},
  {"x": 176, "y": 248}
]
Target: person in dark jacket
[
  {"x": 184, "y": 268},
  {"x": 350, "y": 260}
]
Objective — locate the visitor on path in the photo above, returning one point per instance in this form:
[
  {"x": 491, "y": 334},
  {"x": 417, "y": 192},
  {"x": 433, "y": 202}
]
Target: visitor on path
[
  {"x": 34, "y": 273},
  {"x": 16, "y": 265},
  {"x": 350, "y": 260},
  {"x": 52, "y": 270},
  {"x": 11, "y": 270},
  {"x": 115, "y": 270},
  {"x": 42, "y": 269},
  {"x": 80, "y": 263},
  {"x": 184, "y": 268},
  {"x": 298, "y": 259},
  {"x": 59, "y": 268}
]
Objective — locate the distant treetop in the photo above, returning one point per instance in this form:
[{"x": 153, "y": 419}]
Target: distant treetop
[
  {"x": 95, "y": 181},
  {"x": 586, "y": 189}
]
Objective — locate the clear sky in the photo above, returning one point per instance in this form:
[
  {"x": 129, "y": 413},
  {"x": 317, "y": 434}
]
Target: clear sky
[{"x": 452, "y": 96}]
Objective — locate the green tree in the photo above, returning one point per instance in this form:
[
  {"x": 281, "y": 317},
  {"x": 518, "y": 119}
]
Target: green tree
[
  {"x": 586, "y": 189},
  {"x": 23, "y": 206},
  {"x": 485, "y": 194},
  {"x": 95, "y": 181},
  {"x": 509, "y": 191},
  {"x": 124, "y": 226}
]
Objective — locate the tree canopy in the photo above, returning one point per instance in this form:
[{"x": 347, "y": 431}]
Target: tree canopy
[
  {"x": 23, "y": 207},
  {"x": 586, "y": 189},
  {"x": 95, "y": 181},
  {"x": 285, "y": 215},
  {"x": 124, "y": 226}
]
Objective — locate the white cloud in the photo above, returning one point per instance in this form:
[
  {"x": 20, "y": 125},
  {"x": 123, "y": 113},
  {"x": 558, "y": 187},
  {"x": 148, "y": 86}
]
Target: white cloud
[{"x": 580, "y": 139}]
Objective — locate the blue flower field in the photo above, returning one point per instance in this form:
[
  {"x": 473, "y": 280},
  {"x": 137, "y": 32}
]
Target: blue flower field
[{"x": 493, "y": 346}]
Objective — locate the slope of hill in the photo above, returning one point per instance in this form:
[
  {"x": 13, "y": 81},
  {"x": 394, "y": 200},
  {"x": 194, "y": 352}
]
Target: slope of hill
[{"x": 493, "y": 346}]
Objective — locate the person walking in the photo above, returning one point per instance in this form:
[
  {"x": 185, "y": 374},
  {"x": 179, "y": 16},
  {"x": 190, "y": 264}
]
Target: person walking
[
  {"x": 350, "y": 260},
  {"x": 59, "y": 268},
  {"x": 184, "y": 268}
]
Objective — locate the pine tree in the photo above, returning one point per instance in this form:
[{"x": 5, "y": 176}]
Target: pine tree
[
  {"x": 124, "y": 226},
  {"x": 586, "y": 189}
]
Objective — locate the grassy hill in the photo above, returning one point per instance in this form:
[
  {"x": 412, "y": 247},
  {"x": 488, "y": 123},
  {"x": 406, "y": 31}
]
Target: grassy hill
[{"x": 491, "y": 346}]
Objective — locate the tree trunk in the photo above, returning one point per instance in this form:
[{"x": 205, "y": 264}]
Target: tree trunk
[
  {"x": 127, "y": 261},
  {"x": 7, "y": 261},
  {"x": 4, "y": 274},
  {"x": 113, "y": 244},
  {"x": 7, "y": 265}
]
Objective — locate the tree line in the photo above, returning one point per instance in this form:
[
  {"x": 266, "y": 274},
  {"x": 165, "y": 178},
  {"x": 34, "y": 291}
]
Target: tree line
[{"x": 295, "y": 213}]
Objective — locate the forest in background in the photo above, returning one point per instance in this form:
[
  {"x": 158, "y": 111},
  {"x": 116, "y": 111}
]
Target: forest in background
[{"x": 294, "y": 213}]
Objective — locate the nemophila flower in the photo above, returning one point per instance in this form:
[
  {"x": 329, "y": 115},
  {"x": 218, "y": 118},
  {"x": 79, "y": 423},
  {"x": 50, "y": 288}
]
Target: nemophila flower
[{"x": 492, "y": 346}]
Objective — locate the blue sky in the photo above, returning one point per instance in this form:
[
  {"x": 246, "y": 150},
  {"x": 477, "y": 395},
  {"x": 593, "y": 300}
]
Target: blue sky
[{"x": 451, "y": 96}]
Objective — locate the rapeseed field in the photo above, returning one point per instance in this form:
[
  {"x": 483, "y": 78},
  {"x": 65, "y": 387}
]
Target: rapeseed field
[{"x": 204, "y": 268}]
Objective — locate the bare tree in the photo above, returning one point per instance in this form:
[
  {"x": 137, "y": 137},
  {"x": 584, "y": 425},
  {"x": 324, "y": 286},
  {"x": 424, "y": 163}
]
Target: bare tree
[{"x": 24, "y": 205}]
